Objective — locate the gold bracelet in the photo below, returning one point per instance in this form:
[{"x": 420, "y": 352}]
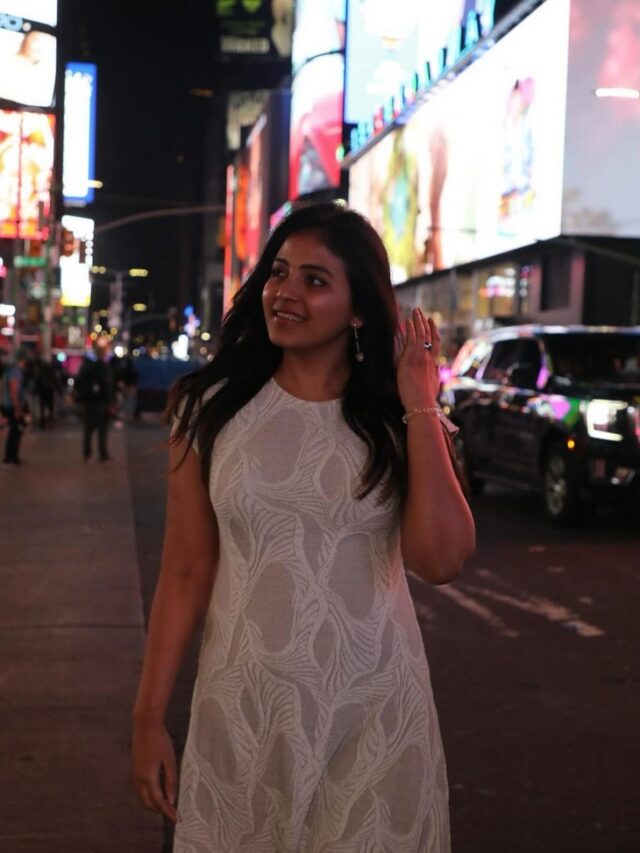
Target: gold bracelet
[{"x": 430, "y": 410}]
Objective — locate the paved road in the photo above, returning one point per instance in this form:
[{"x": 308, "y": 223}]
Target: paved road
[{"x": 534, "y": 654}]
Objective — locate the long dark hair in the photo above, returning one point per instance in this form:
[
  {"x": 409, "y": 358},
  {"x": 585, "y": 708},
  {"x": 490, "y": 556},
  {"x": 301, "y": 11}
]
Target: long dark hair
[{"x": 246, "y": 359}]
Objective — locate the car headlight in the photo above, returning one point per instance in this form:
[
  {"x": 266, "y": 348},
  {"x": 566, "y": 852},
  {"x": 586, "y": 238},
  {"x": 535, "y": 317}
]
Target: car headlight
[{"x": 603, "y": 419}]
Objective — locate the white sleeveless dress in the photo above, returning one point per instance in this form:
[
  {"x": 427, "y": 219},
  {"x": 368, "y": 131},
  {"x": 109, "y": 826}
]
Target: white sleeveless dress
[{"x": 313, "y": 727}]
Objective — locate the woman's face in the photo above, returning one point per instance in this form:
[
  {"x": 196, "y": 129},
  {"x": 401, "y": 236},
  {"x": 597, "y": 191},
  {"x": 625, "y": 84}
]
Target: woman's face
[{"x": 307, "y": 297}]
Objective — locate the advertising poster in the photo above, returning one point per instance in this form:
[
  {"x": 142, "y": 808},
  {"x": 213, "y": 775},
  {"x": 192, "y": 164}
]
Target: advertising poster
[
  {"x": 42, "y": 11},
  {"x": 316, "y": 96},
  {"x": 601, "y": 171},
  {"x": 75, "y": 278},
  {"x": 261, "y": 179},
  {"x": 255, "y": 27},
  {"x": 477, "y": 170},
  {"x": 27, "y": 67},
  {"x": 243, "y": 109},
  {"x": 80, "y": 81},
  {"x": 26, "y": 168},
  {"x": 387, "y": 42}
]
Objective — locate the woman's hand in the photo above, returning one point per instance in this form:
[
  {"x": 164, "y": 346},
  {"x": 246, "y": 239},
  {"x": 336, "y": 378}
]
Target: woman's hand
[
  {"x": 154, "y": 768},
  {"x": 417, "y": 366}
]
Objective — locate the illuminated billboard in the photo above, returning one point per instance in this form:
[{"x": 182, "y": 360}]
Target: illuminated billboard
[
  {"x": 27, "y": 67},
  {"x": 255, "y": 27},
  {"x": 75, "y": 269},
  {"x": 316, "y": 96},
  {"x": 601, "y": 171},
  {"x": 243, "y": 109},
  {"x": 477, "y": 170},
  {"x": 26, "y": 168},
  {"x": 42, "y": 11},
  {"x": 79, "y": 132},
  {"x": 388, "y": 41}
]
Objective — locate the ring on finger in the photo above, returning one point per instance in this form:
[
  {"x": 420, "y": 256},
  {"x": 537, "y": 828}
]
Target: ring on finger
[{"x": 427, "y": 345}]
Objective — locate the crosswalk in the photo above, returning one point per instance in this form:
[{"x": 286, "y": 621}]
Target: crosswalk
[{"x": 482, "y": 599}]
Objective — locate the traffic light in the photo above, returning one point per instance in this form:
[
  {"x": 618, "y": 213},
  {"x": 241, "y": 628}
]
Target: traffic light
[{"x": 67, "y": 242}]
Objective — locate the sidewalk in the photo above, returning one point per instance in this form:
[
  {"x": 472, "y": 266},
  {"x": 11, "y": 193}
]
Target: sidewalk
[{"x": 71, "y": 640}]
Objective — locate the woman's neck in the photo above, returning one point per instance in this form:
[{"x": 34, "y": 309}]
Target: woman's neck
[{"x": 312, "y": 378}]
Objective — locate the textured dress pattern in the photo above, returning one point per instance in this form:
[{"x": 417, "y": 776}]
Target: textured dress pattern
[{"x": 313, "y": 727}]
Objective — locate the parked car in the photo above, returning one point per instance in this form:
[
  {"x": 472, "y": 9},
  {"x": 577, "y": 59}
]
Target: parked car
[
  {"x": 552, "y": 408},
  {"x": 155, "y": 377}
]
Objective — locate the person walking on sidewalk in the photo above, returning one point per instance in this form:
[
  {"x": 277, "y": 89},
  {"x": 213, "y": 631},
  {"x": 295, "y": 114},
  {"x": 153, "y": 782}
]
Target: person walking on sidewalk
[
  {"x": 95, "y": 393},
  {"x": 309, "y": 464},
  {"x": 45, "y": 388},
  {"x": 14, "y": 405}
]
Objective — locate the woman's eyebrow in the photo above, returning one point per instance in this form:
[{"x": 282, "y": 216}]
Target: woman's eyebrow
[{"x": 317, "y": 267}]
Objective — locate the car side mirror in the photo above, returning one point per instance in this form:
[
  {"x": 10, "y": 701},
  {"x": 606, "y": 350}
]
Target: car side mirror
[{"x": 522, "y": 375}]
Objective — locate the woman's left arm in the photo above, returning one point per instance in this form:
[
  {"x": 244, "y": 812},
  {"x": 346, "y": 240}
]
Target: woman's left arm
[{"x": 437, "y": 529}]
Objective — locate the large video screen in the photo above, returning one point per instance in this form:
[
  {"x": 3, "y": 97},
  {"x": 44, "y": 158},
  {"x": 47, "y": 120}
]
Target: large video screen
[
  {"x": 42, "y": 11},
  {"x": 316, "y": 96},
  {"x": 255, "y": 27},
  {"x": 27, "y": 67},
  {"x": 26, "y": 168},
  {"x": 477, "y": 170},
  {"x": 388, "y": 41},
  {"x": 75, "y": 277},
  {"x": 80, "y": 81},
  {"x": 601, "y": 169}
]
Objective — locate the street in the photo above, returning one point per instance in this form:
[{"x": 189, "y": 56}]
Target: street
[{"x": 534, "y": 662}]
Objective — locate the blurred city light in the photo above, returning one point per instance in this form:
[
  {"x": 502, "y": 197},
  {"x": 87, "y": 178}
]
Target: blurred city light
[
  {"x": 618, "y": 92},
  {"x": 138, "y": 273}
]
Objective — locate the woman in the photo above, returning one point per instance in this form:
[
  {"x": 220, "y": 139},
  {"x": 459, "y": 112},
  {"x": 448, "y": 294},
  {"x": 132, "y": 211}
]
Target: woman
[{"x": 298, "y": 488}]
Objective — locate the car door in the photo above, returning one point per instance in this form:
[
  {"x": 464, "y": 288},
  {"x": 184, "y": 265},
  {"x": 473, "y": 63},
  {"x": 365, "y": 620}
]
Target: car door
[
  {"x": 488, "y": 434},
  {"x": 517, "y": 425},
  {"x": 465, "y": 399}
]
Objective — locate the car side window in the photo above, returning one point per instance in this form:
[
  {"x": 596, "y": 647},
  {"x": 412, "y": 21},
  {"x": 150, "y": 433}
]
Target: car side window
[
  {"x": 528, "y": 354},
  {"x": 504, "y": 355},
  {"x": 470, "y": 357}
]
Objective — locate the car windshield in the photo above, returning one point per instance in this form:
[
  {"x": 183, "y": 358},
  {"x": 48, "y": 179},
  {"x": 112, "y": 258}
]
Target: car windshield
[{"x": 595, "y": 357}]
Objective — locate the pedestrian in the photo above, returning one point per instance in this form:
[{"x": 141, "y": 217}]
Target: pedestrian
[
  {"x": 95, "y": 393},
  {"x": 14, "y": 406},
  {"x": 309, "y": 461},
  {"x": 126, "y": 378},
  {"x": 45, "y": 387}
]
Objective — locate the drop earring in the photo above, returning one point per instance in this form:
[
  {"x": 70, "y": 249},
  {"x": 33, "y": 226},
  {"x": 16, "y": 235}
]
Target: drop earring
[{"x": 359, "y": 353}]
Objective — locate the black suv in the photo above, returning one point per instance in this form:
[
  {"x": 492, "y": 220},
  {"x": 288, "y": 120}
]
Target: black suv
[{"x": 553, "y": 408}]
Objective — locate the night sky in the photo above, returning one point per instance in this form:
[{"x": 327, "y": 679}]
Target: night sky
[{"x": 151, "y": 131}]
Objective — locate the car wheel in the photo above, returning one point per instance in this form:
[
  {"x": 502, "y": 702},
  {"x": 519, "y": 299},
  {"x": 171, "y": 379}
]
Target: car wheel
[
  {"x": 474, "y": 483},
  {"x": 561, "y": 497}
]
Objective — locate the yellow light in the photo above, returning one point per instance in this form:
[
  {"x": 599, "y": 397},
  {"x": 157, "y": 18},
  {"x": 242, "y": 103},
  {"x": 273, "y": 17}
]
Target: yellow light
[
  {"x": 571, "y": 444},
  {"x": 139, "y": 306},
  {"x": 114, "y": 331},
  {"x": 96, "y": 185},
  {"x": 98, "y": 270},
  {"x": 138, "y": 273},
  {"x": 104, "y": 313},
  {"x": 205, "y": 336},
  {"x": 93, "y": 336}
]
